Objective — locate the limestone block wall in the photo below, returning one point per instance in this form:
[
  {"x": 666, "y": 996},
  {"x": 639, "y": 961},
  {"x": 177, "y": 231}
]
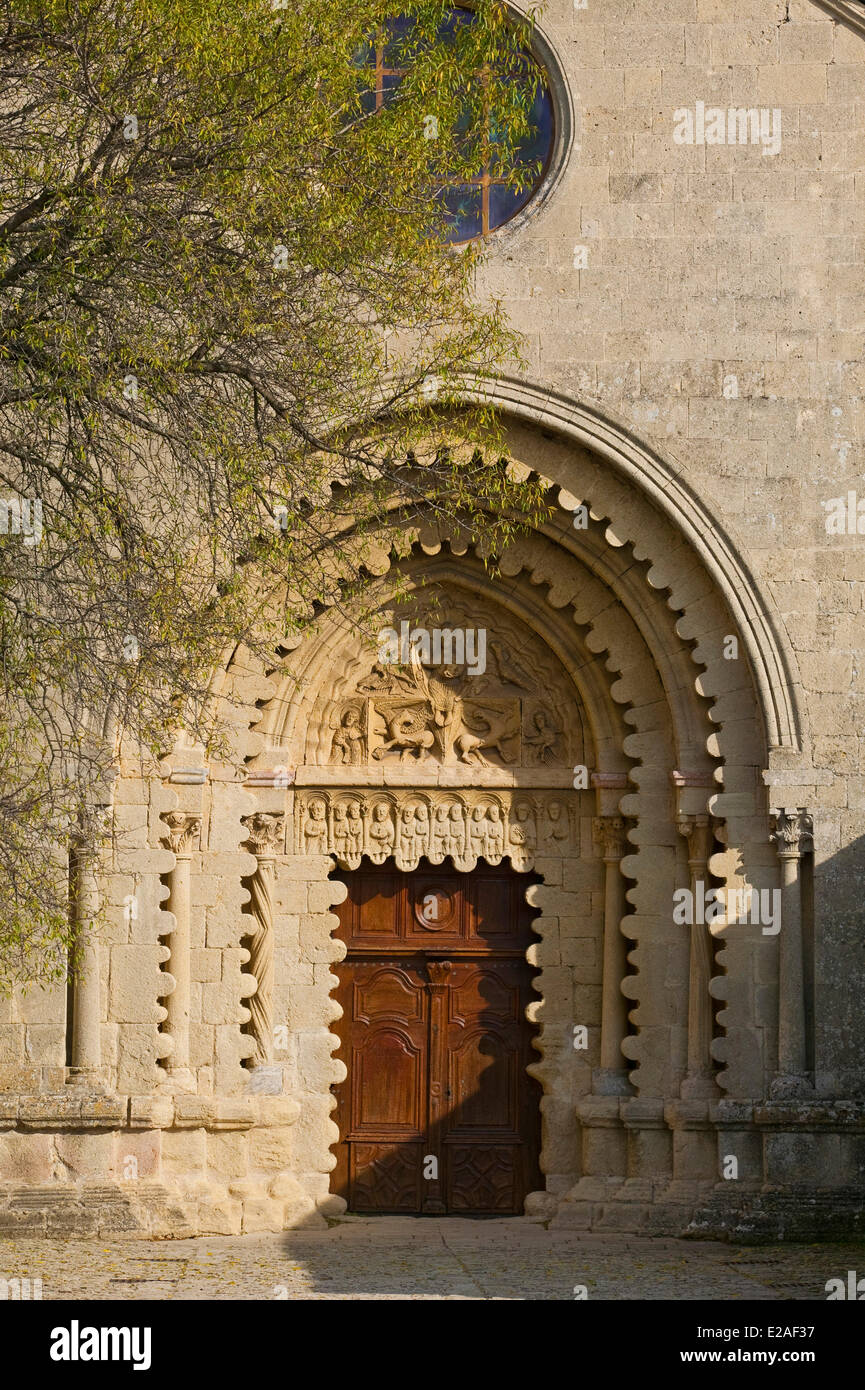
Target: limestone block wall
[
  {"x": 132, "y": 923},
  {"x": 304, "y": 983},
  {"x": 33, "y": 1039},
  {"x": 710, "y": 298},
  {"x": 694, "y": 321}
]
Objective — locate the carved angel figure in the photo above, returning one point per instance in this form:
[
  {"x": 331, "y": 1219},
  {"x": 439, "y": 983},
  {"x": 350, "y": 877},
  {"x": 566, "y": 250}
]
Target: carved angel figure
[
  {"x": 349, "y": 740},
  {"x": 544, "y": 737}
]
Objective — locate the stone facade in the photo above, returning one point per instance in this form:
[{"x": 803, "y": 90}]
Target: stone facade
[{"x": 671, "y": 704}]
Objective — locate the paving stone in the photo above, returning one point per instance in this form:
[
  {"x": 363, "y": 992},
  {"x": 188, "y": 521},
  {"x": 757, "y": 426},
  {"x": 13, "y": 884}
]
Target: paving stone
[{"x": 426, "y": 1259}]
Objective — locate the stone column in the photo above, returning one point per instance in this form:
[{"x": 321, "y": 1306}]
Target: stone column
[
  {"x": 266, "y": 832},
  {"x": 611, "y": 1079},
  {"x": 86, "y": 1048},
  {"x": 699, "y": 1082},
  {"x": 183, "y": 832},
  {"x": 792, "y": 833}
]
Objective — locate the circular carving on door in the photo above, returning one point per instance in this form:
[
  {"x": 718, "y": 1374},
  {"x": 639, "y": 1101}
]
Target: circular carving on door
[{"x": 434, "y": 908}]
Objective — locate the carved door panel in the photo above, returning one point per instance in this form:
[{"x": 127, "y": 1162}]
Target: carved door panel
[
  {"x": 382, "y": 1107},
  {"x": 438, "y": 1112},
  {"x": 491, "y": 1136}
]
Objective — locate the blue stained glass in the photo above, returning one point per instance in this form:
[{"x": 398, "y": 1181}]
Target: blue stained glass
[
  {"x": 389, "y": 84},
  {"x": 505, "y": 203},
  {"x": 536, "y": 146},
  {"x": 463, "y": 203},
  {"x": 398, "y": 31},
  {"x": 457, "y": 18},
  {"x": 463, "y": 206}
]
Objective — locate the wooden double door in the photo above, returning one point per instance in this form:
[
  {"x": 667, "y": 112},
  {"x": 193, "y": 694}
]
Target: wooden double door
[{"x": 437, "y": 1113}]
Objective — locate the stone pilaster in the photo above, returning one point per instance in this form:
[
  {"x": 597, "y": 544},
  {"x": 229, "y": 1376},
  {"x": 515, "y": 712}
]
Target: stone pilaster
[
  {"x": 612, "y": 1078},
  {"x": 699, "y": 1082},
  {"x": 793, "y": 835},
  {"x": 183, "y": 830}
]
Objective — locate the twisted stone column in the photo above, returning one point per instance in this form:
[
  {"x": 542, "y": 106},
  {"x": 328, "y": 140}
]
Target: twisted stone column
[
  {"x": 183, "y": 831},
  {"x": 699, "y": 1083},
  {"x": 612, "y": 1076},
  {"x": 793, "y": 835},
  {"x": 266, "y": 831}
]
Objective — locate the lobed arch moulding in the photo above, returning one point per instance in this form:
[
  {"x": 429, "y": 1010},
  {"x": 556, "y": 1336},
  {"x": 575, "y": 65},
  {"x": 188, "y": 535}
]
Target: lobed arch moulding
[
  {"x": 761, "y": 627},
  {"x": 595, "y": 655},
  {"x": 656, "y": 484},
  {"x": 589, "y": 680},
  {"x": 848, "y": 12}
]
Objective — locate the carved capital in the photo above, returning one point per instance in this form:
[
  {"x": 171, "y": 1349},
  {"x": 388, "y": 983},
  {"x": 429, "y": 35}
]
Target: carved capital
[
  {"x": 609, "y": 832},
  {"x": 697, "y": 830},
  {"x": 265, "y": 830},
  {"x": 183, "y": 829},
  {"x": 792, "y": 832}
]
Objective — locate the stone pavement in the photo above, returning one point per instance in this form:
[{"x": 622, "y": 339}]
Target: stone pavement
[{"x": 428, "y": 1258}]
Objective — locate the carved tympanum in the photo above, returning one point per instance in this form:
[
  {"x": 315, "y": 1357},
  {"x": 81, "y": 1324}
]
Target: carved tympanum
[{"x": 502, "y": 700}]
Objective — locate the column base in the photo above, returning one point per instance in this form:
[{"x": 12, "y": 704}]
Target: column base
[
  {"x": 791, "y": 1087},
  {"x": 86, "y": 1079},
  {"x": 607, "y": 1081},
  {"x": 699, "y": 1086},
  {"x": 181, "y": 1080}
]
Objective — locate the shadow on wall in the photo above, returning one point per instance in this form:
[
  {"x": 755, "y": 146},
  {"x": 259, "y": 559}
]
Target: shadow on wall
[
  {"x": 834, "y": 958},
  {"x": 385, "y": 1254}
]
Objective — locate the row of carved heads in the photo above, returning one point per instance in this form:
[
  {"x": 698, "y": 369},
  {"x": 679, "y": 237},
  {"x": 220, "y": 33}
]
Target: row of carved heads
[
  {"x": 457, "y": 827},
  {"x": 484, "y": 827}
]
